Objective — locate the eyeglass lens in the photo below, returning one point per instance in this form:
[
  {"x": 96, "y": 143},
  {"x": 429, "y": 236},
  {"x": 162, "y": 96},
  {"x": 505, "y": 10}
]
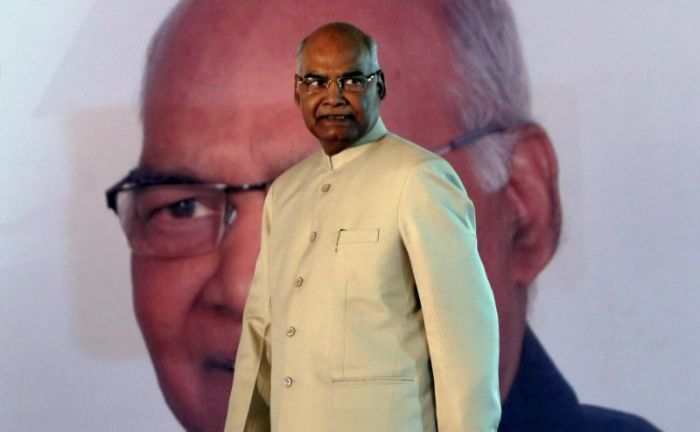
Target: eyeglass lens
[
  {"x": 353, "y": 84},
  {"x": 173, "y": 220}
]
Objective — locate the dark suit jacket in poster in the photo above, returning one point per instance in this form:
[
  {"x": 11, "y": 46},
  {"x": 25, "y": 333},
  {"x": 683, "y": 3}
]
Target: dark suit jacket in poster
[{"x": 541, "y": 400}]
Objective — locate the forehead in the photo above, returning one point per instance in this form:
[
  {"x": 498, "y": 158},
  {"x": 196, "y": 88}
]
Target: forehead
[
  {"x": 247, "y": 146},
  {"x": 219, "y": 101},
  {"x": 334, "y": 51}
]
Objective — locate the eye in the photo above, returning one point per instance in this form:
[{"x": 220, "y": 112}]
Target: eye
[
  {"x": 185, "y": 209},
  {"x": 354, "y": 83},
  {"x": 189, "y": 208},
  {"x": 316, "y": 82},
  {"x": 175, "y": 220},
  {"x": 353, "y": 80},
  {"x": 177, "y": 204}
]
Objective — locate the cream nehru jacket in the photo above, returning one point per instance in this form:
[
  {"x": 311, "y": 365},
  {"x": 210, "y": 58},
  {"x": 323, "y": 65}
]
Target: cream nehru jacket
[{"x": 370, "y": 309}]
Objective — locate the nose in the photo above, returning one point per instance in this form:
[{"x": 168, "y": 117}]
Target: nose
[
  {"x": 335, "y": 94},
  {"x": 227, "y": 289}
]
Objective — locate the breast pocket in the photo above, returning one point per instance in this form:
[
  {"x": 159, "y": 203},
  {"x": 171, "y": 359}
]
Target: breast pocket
[
  {"x": 347, "y": 236},
  {"x": 360, "y": 255}
]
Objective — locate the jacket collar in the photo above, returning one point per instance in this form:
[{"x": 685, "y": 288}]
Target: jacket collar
[{"x": 377, "y": 132}]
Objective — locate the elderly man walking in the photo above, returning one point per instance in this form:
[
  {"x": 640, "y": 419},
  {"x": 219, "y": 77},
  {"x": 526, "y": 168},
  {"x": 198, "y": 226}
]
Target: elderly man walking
[{"x": 369, "y": 302}]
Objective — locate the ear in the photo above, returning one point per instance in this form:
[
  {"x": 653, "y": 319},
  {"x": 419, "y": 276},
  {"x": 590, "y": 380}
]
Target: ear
[
  {"x": 296, "y": 91},
  {"x": 381, "y": 85},
  {"x": 533, "y": 193}
]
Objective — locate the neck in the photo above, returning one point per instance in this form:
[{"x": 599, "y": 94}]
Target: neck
[
  {"x": 512, "y": 345},
  {"x": 377, "y": 131}
]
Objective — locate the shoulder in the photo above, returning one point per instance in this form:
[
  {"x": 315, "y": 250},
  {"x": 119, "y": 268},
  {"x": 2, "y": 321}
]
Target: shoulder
[
  {"x": 428, "y": 182},
  {"x": 296, "y": 176},
  {"x": 595, "y": 418},
  {"x": 302, "y": 167},
  {"x": 555, "y": 417},
  {"x": 411, "y": 160},
  {"x": 403, "y": 150},
  {"x": 541, "y": 399}
]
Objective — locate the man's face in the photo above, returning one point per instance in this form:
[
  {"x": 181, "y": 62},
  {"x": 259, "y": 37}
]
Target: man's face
[
  {"x": 228, "y": 118},
  {"x": 335, "y": 116},
  {"x": 210, "y": 121}
]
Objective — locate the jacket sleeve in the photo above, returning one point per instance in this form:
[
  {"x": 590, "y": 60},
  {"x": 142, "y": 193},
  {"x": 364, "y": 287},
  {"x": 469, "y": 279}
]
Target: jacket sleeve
[
  {"x": 248, "y": 407},
  {"x": 437, "y": 226}
]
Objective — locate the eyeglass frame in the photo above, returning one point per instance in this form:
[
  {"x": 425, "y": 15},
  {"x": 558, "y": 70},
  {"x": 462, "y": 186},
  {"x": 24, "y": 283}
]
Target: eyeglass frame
[
  {"x": 338, "y": 81},
  {"x": 139, "y": 178},
  {"x": 470, "y": 138}
]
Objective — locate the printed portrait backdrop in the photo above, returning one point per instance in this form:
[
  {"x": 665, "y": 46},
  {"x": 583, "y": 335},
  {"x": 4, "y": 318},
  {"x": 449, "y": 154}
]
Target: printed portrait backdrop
[{"x": 614, "y": 84}]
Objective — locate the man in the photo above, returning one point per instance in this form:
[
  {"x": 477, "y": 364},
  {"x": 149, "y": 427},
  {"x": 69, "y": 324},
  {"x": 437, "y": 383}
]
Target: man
[
  {"x": 369, "y": 298},
  {"x": 212, "y": 112}
]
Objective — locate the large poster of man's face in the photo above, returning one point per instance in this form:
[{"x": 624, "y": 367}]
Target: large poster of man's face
[{"x": 580, "y": 161}]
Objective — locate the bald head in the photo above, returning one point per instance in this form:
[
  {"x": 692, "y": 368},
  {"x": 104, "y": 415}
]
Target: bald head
[
  {"x": 350, "y": 33},
  {"x": 470, "y": 49},
  {"x": 215, "y": 65}
]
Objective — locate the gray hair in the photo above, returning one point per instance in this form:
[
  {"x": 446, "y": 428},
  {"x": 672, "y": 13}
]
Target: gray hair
[
  {"x": 493, "y": 88},
  {"x": 367, "y": 41}
]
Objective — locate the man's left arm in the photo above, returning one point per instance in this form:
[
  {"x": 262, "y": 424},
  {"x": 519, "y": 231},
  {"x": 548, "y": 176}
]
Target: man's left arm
[{"x": 437, "y": 225}]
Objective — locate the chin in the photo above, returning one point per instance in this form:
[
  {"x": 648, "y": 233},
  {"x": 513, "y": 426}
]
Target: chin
[
  {"x": 338, "y": 137},
  {"x": 198, "y": 398}
]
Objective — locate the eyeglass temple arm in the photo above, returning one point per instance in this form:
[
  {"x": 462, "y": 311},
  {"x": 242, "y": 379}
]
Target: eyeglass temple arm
[{"x": 470, "y": 138}]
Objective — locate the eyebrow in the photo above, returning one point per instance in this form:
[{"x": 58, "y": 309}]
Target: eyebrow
[
  {"x": 348, "y": 74},
  {"x": 145, "y": 174},
  {"x": 353, "y": 73}
]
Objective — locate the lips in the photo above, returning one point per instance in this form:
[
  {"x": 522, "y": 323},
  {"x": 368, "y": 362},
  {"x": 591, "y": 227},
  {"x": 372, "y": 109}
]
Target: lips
[
  {"x": 219, "y": 364},
  {"x": 335, "y": 117}
]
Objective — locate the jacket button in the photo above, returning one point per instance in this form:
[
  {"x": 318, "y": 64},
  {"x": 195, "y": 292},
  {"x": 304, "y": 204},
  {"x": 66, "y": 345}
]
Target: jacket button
[
  {"x": 287, "y": 381},
  {"x": 312, "y": 236},
  {"x": 299, "y": 281},
  {"x": 291, "y": 331},
  {"x": 326, "y": 187}
]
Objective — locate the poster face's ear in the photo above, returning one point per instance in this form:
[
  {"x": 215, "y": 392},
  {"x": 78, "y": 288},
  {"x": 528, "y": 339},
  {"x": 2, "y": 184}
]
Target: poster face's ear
[
  {"x": 533, "y": 192},
  {"x": 381, "y": 85}
]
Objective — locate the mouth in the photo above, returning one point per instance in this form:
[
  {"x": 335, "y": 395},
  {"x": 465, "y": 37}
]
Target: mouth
[
  {"x": 219, "y": 364},
  {"x": 336, "y": 117}
]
